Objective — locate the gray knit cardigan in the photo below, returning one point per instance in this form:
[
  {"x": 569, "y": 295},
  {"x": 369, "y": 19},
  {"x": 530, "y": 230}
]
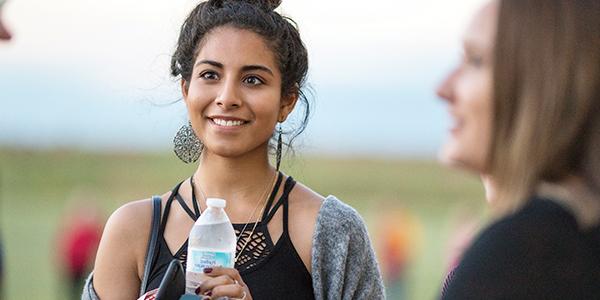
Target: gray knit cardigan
[{"x": 343, "y": 260}]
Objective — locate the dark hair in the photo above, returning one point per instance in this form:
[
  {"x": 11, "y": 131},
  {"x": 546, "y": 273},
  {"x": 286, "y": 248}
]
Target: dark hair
[
  {"x": 546, "y": 94},
  {"x": 280, "y": 33}
]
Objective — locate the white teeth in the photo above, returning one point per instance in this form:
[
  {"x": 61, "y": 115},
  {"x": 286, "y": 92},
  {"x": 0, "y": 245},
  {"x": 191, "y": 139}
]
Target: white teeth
[{"x": 222, "y": 122}]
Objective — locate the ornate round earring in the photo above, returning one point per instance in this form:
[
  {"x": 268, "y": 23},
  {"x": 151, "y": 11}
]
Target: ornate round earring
[{"x": 186, "y": 144}]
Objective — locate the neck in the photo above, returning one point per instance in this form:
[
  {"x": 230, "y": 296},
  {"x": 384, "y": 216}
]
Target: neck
[{"x": 240, "y": 180}]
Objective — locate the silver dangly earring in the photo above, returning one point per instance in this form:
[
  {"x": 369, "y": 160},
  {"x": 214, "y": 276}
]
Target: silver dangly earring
[
  {"x": 279, "y": 146},
  {"x": 186, "y": 144}
]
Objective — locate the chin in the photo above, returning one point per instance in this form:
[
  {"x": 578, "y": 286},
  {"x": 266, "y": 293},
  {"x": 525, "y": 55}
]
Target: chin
[
  {"x": 452, "y": 156},
  {"x": 226, "y": 152}
]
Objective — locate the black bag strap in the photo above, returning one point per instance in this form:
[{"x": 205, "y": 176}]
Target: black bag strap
[{"x": 151, "y": 252}]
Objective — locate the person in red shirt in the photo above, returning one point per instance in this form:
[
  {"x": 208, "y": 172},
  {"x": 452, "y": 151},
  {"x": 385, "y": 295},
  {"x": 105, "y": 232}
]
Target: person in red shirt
[{"x": 77, "y": 243}]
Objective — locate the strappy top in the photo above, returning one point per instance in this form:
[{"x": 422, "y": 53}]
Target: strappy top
[{"x": 270, "y": 270}]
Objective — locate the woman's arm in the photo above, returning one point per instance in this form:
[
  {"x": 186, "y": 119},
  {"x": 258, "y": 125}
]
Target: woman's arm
[
  {"x": 119, "y": 261},
  {"x": 344, "y": 263}
]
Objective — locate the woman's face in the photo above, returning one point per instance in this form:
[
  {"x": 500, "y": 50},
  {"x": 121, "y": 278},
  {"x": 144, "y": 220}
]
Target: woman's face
[
  {"x": 468, "y": 91},
  {"x": 234, "y": 97}
]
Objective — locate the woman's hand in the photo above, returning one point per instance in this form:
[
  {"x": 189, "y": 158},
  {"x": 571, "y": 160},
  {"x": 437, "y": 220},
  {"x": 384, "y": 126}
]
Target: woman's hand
[
  {"x": 224, "y": 282},
  {"x": 150, "y": 295}
]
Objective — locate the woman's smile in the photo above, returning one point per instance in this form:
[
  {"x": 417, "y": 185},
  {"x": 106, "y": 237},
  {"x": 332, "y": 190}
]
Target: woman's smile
[{"x": 227, "y": 122}]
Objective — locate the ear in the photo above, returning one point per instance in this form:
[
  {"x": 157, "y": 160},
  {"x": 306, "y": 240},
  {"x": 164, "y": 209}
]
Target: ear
[
  {"x": 184, "y": 90},
  {"x": 287, "y": 105}
]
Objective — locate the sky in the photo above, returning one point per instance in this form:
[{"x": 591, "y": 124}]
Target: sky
[{"x": 93, "y": 75}]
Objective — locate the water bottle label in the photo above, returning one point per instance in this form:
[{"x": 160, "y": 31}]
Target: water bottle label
[{"x": 199, "y": 259}]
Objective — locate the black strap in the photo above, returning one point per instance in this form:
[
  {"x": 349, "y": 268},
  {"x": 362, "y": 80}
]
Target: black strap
[
  {"x": 287, "y": 188},
  {"x": 271, "y": 198},
  {"x": 194, "y": 201},
  {"x": 151, "y": 252},
  {"x": 163, "y": 223},
  {"x": 193, "y": 215},
  {"x": 289, "y": 185}
]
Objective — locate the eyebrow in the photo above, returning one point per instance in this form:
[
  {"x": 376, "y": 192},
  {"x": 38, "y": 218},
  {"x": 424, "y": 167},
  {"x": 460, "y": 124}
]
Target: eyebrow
[
  {"x": 244, "y": 68},
  {"x": 210, "y": 62},
  {"x": 256, "y": 68}
]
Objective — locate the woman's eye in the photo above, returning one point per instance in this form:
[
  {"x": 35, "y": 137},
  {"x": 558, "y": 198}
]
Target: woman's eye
[
  {"x": 474, "y": 60},
  {"x": 209, "y": 75},
  {"x": 253, "y": 80}
]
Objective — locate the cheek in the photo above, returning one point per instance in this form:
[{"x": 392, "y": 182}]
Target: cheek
[
  {"x": 198, "y": 99},
  {"x": 265, "y": 105},
  {"x": 468, "y": 147},
  {"x": 478, "y": 111}
]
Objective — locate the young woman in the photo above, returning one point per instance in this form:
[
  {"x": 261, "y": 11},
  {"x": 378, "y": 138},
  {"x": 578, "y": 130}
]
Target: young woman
[
  {"x": 242, "y": 68},
  {"x": 525, "y": 102}
]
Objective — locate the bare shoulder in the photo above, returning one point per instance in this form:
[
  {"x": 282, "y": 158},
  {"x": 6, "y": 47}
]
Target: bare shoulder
[
  {"x": 129, "y": 224},
  {"x": 305, "y": 205},
  {"x": 119, "y": 261},
  {"x": 305, "y": 202},
  {"x": 128, "y": 219}
]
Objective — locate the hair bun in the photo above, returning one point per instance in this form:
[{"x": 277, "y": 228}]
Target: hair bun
[{"x": 270, "y": 4}]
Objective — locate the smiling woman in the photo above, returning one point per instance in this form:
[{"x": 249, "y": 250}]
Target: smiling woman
[
  {"x": 242, "y": 68},
  {"x": 525, "y": 101}
]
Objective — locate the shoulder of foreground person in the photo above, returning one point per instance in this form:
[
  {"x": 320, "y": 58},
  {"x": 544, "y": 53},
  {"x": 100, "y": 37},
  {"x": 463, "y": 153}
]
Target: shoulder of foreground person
[
  {"x": 121, "y": 252},
  {"x": 343, "y": 260},
  {"x": 538, "y": 252}
]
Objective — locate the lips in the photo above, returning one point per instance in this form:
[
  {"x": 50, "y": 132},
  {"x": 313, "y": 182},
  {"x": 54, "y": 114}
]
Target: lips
[
  {"x": 457, "y": 122},
  {"x": 227, "y": 121}
]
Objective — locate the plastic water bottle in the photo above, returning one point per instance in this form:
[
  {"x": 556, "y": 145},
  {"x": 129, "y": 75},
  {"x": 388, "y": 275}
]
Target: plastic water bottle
[{"x": 212, "y": 243}]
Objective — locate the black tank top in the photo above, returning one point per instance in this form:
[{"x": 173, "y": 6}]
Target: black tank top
[{"x": 271, "y": 271}]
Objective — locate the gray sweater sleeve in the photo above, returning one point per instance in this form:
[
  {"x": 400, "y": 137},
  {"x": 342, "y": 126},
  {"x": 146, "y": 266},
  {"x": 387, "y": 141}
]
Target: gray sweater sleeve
[
  {"x": 88, "y": 289},
  {"x": 343, "y": 260}
]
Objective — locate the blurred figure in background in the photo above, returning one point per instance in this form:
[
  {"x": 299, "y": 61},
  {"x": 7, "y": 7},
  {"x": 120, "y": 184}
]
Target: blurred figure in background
[
  {"x": 77, "y": 242},
  {"x": 4, "y": 33},
  {"x": 4, "y": 36},
  {"x": 398, "y": 239},
  {"x": 526, "y": 104}
]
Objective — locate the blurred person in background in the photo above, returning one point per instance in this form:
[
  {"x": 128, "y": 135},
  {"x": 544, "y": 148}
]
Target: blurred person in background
[
  {"x": 4, "y": 36},
  {"x": 525, "y": 102},
  {"x": 77, "y": 242},
  {"x": 4, "y": 33},
  {"x": 399, "y": 238},
  {"x": 243, "y": 68}
]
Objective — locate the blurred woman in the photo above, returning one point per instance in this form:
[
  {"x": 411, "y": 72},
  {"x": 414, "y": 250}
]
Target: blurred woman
[
  {"x": 242, "y": 68},
  {"x": 525, "y": 102}
]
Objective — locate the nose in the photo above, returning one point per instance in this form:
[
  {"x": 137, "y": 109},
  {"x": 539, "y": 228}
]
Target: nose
[
  {"x": 446, "y": 89},
  {"x": 229, "y": 95}
]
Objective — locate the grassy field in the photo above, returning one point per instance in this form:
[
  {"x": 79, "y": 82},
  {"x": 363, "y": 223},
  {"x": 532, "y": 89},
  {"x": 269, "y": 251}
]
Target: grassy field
[{"x": 35, "y": 187}]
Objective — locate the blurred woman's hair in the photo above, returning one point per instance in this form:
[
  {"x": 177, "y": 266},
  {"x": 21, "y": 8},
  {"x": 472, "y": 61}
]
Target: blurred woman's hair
[{"x": 546, "y": 122}]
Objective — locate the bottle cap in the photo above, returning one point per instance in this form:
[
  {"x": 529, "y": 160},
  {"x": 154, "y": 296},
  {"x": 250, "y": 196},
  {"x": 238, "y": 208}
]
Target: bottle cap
[{"x": 216, "y": 202}]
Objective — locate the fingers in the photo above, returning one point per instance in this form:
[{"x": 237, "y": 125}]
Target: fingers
[
  {"x": 150, "y": 295},
  {"x": 223, "y": 282},
  {"x": 213, "y": 282},
  {"x": 231, "y": 291},
  {"x": 219, "y": 271}
]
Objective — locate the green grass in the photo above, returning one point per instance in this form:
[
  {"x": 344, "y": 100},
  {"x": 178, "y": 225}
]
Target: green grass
[{"x": 35, "y": 188}]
